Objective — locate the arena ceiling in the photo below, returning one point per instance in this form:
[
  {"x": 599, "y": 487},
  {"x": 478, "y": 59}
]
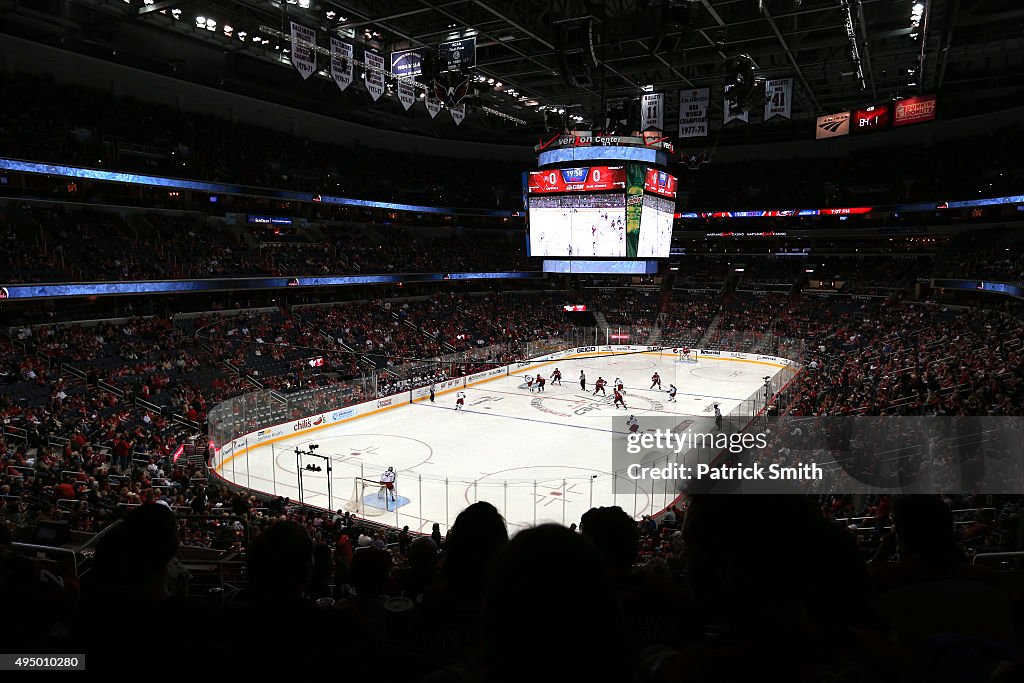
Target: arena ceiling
[{"x": 968, "y": 51}]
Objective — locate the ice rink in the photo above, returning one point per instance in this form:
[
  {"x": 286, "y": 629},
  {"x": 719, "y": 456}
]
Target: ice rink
[{"x": 538, "y": 457}]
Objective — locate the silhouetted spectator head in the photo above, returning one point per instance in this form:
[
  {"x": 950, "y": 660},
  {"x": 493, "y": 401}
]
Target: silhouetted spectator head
[
  {"x": 543, "y": 570},
  {"x": 924, "y": 527},
  {"x": 422, "y": 555},
  {"x": 757, "y": 557},
  {"x": 614, "y": 533},
  {"x": 370, "y": 569},
  {"x": 137, "y": 552},
  {"x": 280, "y": 560},
  {"x": 478, "y": 535}
]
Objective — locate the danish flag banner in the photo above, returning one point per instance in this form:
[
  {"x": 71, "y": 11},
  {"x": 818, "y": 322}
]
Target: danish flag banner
[
  {"x": 303, "y": 57},
  {"x": 778, "y": 98},
  {"x": 406, "y": 94},
  {"x": 374, "y": 77},
  {"x": 341, "y": 63}
]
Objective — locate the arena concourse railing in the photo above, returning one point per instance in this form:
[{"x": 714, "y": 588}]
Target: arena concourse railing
[{"x": 239, "y": 426}]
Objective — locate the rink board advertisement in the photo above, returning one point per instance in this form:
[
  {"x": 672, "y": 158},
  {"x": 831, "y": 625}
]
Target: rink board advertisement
[{"x": 265, "y": 436}]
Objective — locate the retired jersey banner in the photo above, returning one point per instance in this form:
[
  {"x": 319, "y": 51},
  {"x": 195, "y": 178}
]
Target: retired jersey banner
[
  {"x": 732, "y": 113},
  {"x": 303, "y": 57},
  {"x": 374, "y": 77},
  {"x": 458, "y": 113},
  {"x": 341, "y": 63},
  {"x": 693, "y": 112},
  {"x": 832, "y": 126},
  {"x": 406, "y": 94},
  {"x": 652, "y": 111},
  {"x": 433, "y": 105},
  {"x": 914, "y": 110},
  {"x": 778, "y": 98}
]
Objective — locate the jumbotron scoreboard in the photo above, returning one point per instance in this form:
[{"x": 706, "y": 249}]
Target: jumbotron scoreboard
[{"x": 601, "y": 198}]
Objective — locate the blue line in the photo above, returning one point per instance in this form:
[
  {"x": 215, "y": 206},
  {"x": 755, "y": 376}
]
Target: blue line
[{"x": 524, "y": 419}]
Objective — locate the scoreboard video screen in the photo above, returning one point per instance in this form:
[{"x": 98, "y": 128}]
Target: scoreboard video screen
[
  {"x": 655, "y": 227},
  {"x": 578, "y": 225},
  {"x": 601, "y": 211}
]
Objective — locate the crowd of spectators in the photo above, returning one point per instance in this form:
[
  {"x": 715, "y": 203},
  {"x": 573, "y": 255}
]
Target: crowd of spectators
[
  {"x": 120, "y": 133},
  {"x": 985, "y": 254},
  {"x": 705, "y": 592},
  {"x": 986, "y": 166},
  {"x": 75, "y": 244}
]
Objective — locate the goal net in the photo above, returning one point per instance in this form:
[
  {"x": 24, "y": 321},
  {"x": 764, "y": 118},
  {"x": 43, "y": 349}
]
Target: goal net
[
  {"x": 686, "y": 355},
  {"x": 370, "y": 499}
]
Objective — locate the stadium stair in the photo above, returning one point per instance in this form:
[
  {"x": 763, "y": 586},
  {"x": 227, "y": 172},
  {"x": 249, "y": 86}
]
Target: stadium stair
[{"x": 710, "y": 334}]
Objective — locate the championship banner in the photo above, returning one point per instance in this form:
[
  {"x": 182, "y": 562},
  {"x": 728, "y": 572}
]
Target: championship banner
[
  {"x": 652, "y": 111},
  {"x": 433, "y": 105},
  {"x": 302, "y": 55},
  {"x": 832, "y": 126},
  {"x": 914, "y": 110},
  {"x": 458, "y": 113},
  {"x": 406, "y": 94},
  {"x": 341, "y": 63},
  {"x": 457, "y": 55},
  {"x": 374, "y": 77},
  {"x": 617, "y": 113},
  {"x": 730, "y": 113},
  {"x": 693, "y": 112},
  {"x": 778, "y": 98},
  {"x": 407, "y": 63}
]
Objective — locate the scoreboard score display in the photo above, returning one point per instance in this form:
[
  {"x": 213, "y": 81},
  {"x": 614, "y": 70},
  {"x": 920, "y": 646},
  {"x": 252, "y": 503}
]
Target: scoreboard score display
[{"x": 586, "y": 179}]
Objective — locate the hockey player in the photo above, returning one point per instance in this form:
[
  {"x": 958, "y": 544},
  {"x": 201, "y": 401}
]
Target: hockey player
[
  {"x": 599, "y": 386},
  {"x": 618, "y": 384},
  {"x": 718, "y": 417},
  {"x": 556, "y": 377},
  {"x": 433, "y": 391},
  {"x": 583, "y": 381},
  {"x": 460, "y": 400},
  {"x": 632, "y": 424},
  {"x": 529, "y": 382},
  {"x": 387, "y": 484},
  {"x": 672, "y": 393},
  {"x": 619, "y": 399},
  {"x": 655, "y": 380},
  {"x": 540, "y": 383}
]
